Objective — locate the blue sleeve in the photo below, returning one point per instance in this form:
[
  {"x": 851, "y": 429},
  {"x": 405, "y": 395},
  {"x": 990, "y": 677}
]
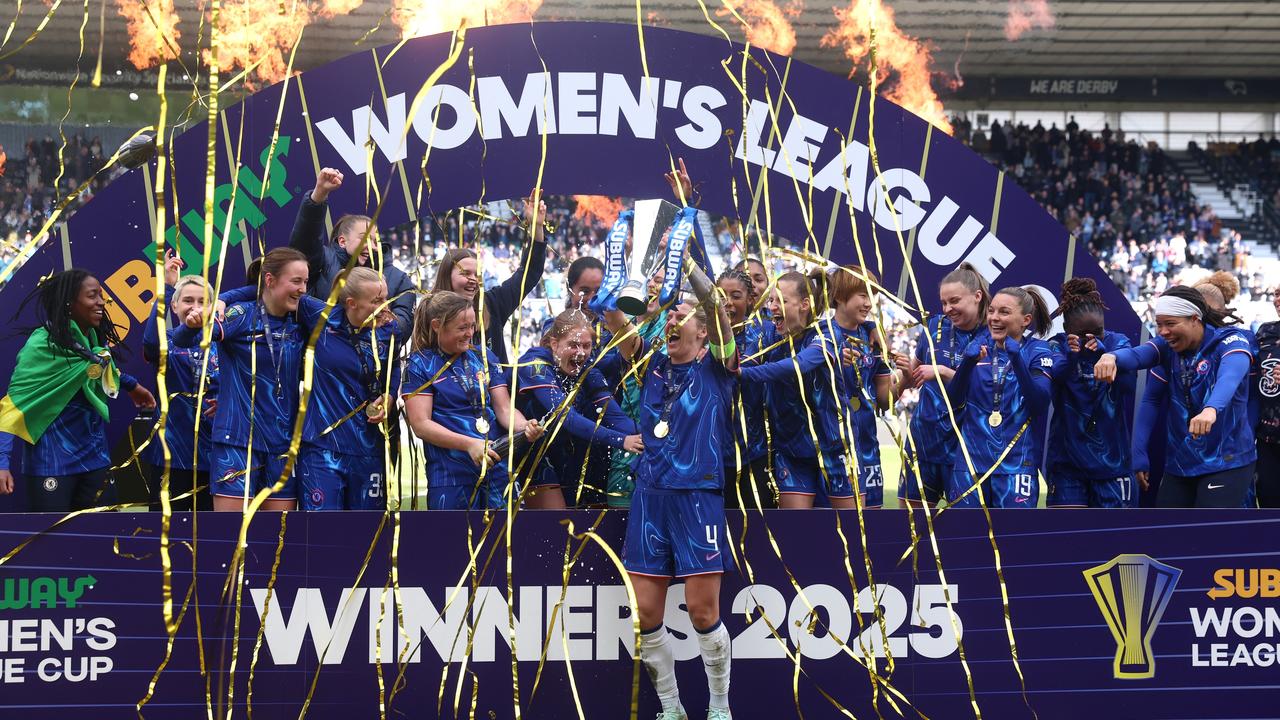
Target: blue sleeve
[
  {"x": 1148, "y": 412},
  {"x": 1232, "y": 370},
  {"x": 1037, "y": 385},
  {"x": 615, "y": 419},
  {"x": 403, "y": 303},
  {"x": 810, "y": 357},
  {"x": 958, "y": 389},
  {"x": 499, "y": 374},
  {"x": 128, "y": 382},
  {"x": 151, "y": 328},
  {"x": 504, "y": 298},
  {"x": 244, "y": 293},
  {"x": 185, "y": 337},
  {"x": 6, "y": 450},
  {"x": 310, "y": 312},
  {"x": 230, "y": 326},
  {"x": 308, "y": 233},
  {"x": 1143, "y": 357}
]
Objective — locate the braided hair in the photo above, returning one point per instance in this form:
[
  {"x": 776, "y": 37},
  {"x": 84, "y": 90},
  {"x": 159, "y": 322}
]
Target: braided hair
[
  {"x": 739, "y": 274},
  {"x": 52, "y": 300},
  {"x": 1080, "y": 300}
]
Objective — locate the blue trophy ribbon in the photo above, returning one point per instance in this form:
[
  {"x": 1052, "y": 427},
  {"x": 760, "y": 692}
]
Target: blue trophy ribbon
[
  {"x": 615, "y": 264},
  {"x": 677, "y": 240}
]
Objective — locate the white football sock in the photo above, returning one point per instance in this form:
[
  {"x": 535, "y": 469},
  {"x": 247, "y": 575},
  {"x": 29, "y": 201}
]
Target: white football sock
[
  {"x": 715, "y": 644},
  {"x": 655, "y": 652}
]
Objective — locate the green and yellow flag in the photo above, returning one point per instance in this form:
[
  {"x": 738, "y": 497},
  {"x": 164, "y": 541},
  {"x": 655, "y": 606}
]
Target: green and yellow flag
[{"x": 48, "y": 376}]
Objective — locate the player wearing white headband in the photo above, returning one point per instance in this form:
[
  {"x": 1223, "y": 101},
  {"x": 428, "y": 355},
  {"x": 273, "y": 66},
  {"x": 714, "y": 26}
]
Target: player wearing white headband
[{"x": 1203, "y": 362}]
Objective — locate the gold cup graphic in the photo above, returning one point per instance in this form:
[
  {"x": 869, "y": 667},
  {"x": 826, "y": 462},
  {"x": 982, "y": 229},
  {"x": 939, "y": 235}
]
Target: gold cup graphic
[{"x": 1132, "y": 592}]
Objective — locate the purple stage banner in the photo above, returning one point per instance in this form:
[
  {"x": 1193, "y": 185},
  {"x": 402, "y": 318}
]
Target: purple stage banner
[{"x": 1137, "y": 614}]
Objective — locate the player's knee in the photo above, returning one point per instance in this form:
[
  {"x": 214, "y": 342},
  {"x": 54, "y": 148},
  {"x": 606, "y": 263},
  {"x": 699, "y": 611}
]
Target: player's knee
[{"x": 704, "y": 614}]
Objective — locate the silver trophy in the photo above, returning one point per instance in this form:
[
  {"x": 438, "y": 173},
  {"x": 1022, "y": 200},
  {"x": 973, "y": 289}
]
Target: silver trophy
[{"x": 652, "y": 220}]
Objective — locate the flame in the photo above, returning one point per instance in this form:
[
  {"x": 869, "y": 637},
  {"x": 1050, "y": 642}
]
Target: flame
[
  {"x": 263, "y": 31},
  {"x": 149, "y": 31},
  {"x": 426, "y": 17},
  {"x": 597, "y": 209},
  {"x": 1025, "y": 15},
  {"x": 765, "y": 23},
  {"x": 896, "y": 52},
  {"x": 4, "y": 159}
]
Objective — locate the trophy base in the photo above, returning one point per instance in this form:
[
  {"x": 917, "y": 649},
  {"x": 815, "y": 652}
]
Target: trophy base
[{"x": 633, "y": 305}]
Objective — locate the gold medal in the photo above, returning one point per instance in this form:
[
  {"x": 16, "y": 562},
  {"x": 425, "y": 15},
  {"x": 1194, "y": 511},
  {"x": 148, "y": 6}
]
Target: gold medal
[
  {"x": 661, "y": 429},
  {"x": 855, "y": 402},
  {"x": 482, "y": 426},
  {"x": 94, "y": 371},
  {"x": 995, "y": 418}
]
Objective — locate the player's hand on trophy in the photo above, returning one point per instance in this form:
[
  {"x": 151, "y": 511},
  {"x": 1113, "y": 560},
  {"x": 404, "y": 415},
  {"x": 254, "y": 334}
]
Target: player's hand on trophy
[
  {"x": 327, "y": 181},
  {"x": 680, "y": 183},
  {"x": 1105, "y": 369}
]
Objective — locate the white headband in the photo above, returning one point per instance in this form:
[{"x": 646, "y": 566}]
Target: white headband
[{"x": 1176, "y": 307}]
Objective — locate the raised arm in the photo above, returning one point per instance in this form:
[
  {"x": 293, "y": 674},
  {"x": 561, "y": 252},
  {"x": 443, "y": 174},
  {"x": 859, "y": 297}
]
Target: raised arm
[
  {"x": 308, "y": 227},
  {"x": 1036, "y": 383},
  {"x": 1153, "y": 398},
  {"x": 719, "y": 328},
  {"x": 504, "y": 298},
  {"x": 151, "y": 329},
  {"x": 812, "y": 356}
]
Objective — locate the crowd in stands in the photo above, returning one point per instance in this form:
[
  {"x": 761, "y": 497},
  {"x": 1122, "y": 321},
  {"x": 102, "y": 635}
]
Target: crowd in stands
[
  {"x": 1128, "y": 202},
  {"x": 28, "y": 192}
]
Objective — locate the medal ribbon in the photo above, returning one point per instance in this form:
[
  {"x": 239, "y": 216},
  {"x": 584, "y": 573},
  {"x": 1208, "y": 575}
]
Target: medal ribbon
[
  {"x": 615, "y": 264},
  {"x": 670, "y": 395}
]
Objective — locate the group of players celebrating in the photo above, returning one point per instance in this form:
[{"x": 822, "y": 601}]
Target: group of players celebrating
[{"x": 744, "y": 391}]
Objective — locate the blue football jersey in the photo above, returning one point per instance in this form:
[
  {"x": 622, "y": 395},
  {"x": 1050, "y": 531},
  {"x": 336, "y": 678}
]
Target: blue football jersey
[
  {"x": 75, "y": 442},
  {"x": 1089, "y": 429},
  {"x": 695, "y": 400},
  {"x": 931, "y": 430},
  {"x": 183, "y": 367},
  {"x": 349, "y": 371},
  {"x": 1190, "y": 380},
  {"x": 260, "y": 367},
  {"x": 543, "y": 388},
  {"x": 460, "y": 390},
  {"x": 816, "y": 396},
  {"x": 860, "y": 381},
  {"x": 994, "y": 386},
  {"x": 749, "y": 402}
]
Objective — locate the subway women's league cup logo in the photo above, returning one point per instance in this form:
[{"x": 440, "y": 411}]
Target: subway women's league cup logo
[{"x": 1132, "y": 592}]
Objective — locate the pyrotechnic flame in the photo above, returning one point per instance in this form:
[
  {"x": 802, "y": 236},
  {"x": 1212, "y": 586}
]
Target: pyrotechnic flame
[
  {"x": 597, "y": 208},
  {"x": 4, "y": 159},
  {"x": 908, "y": 60},
  {"x": 263, "y": 31},
  {"x": 150, "y": 24},
  {"x": 766, "y": 24},
  {"x": 426, "y": 17},
  {"x": 1025, "y": 15}
]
